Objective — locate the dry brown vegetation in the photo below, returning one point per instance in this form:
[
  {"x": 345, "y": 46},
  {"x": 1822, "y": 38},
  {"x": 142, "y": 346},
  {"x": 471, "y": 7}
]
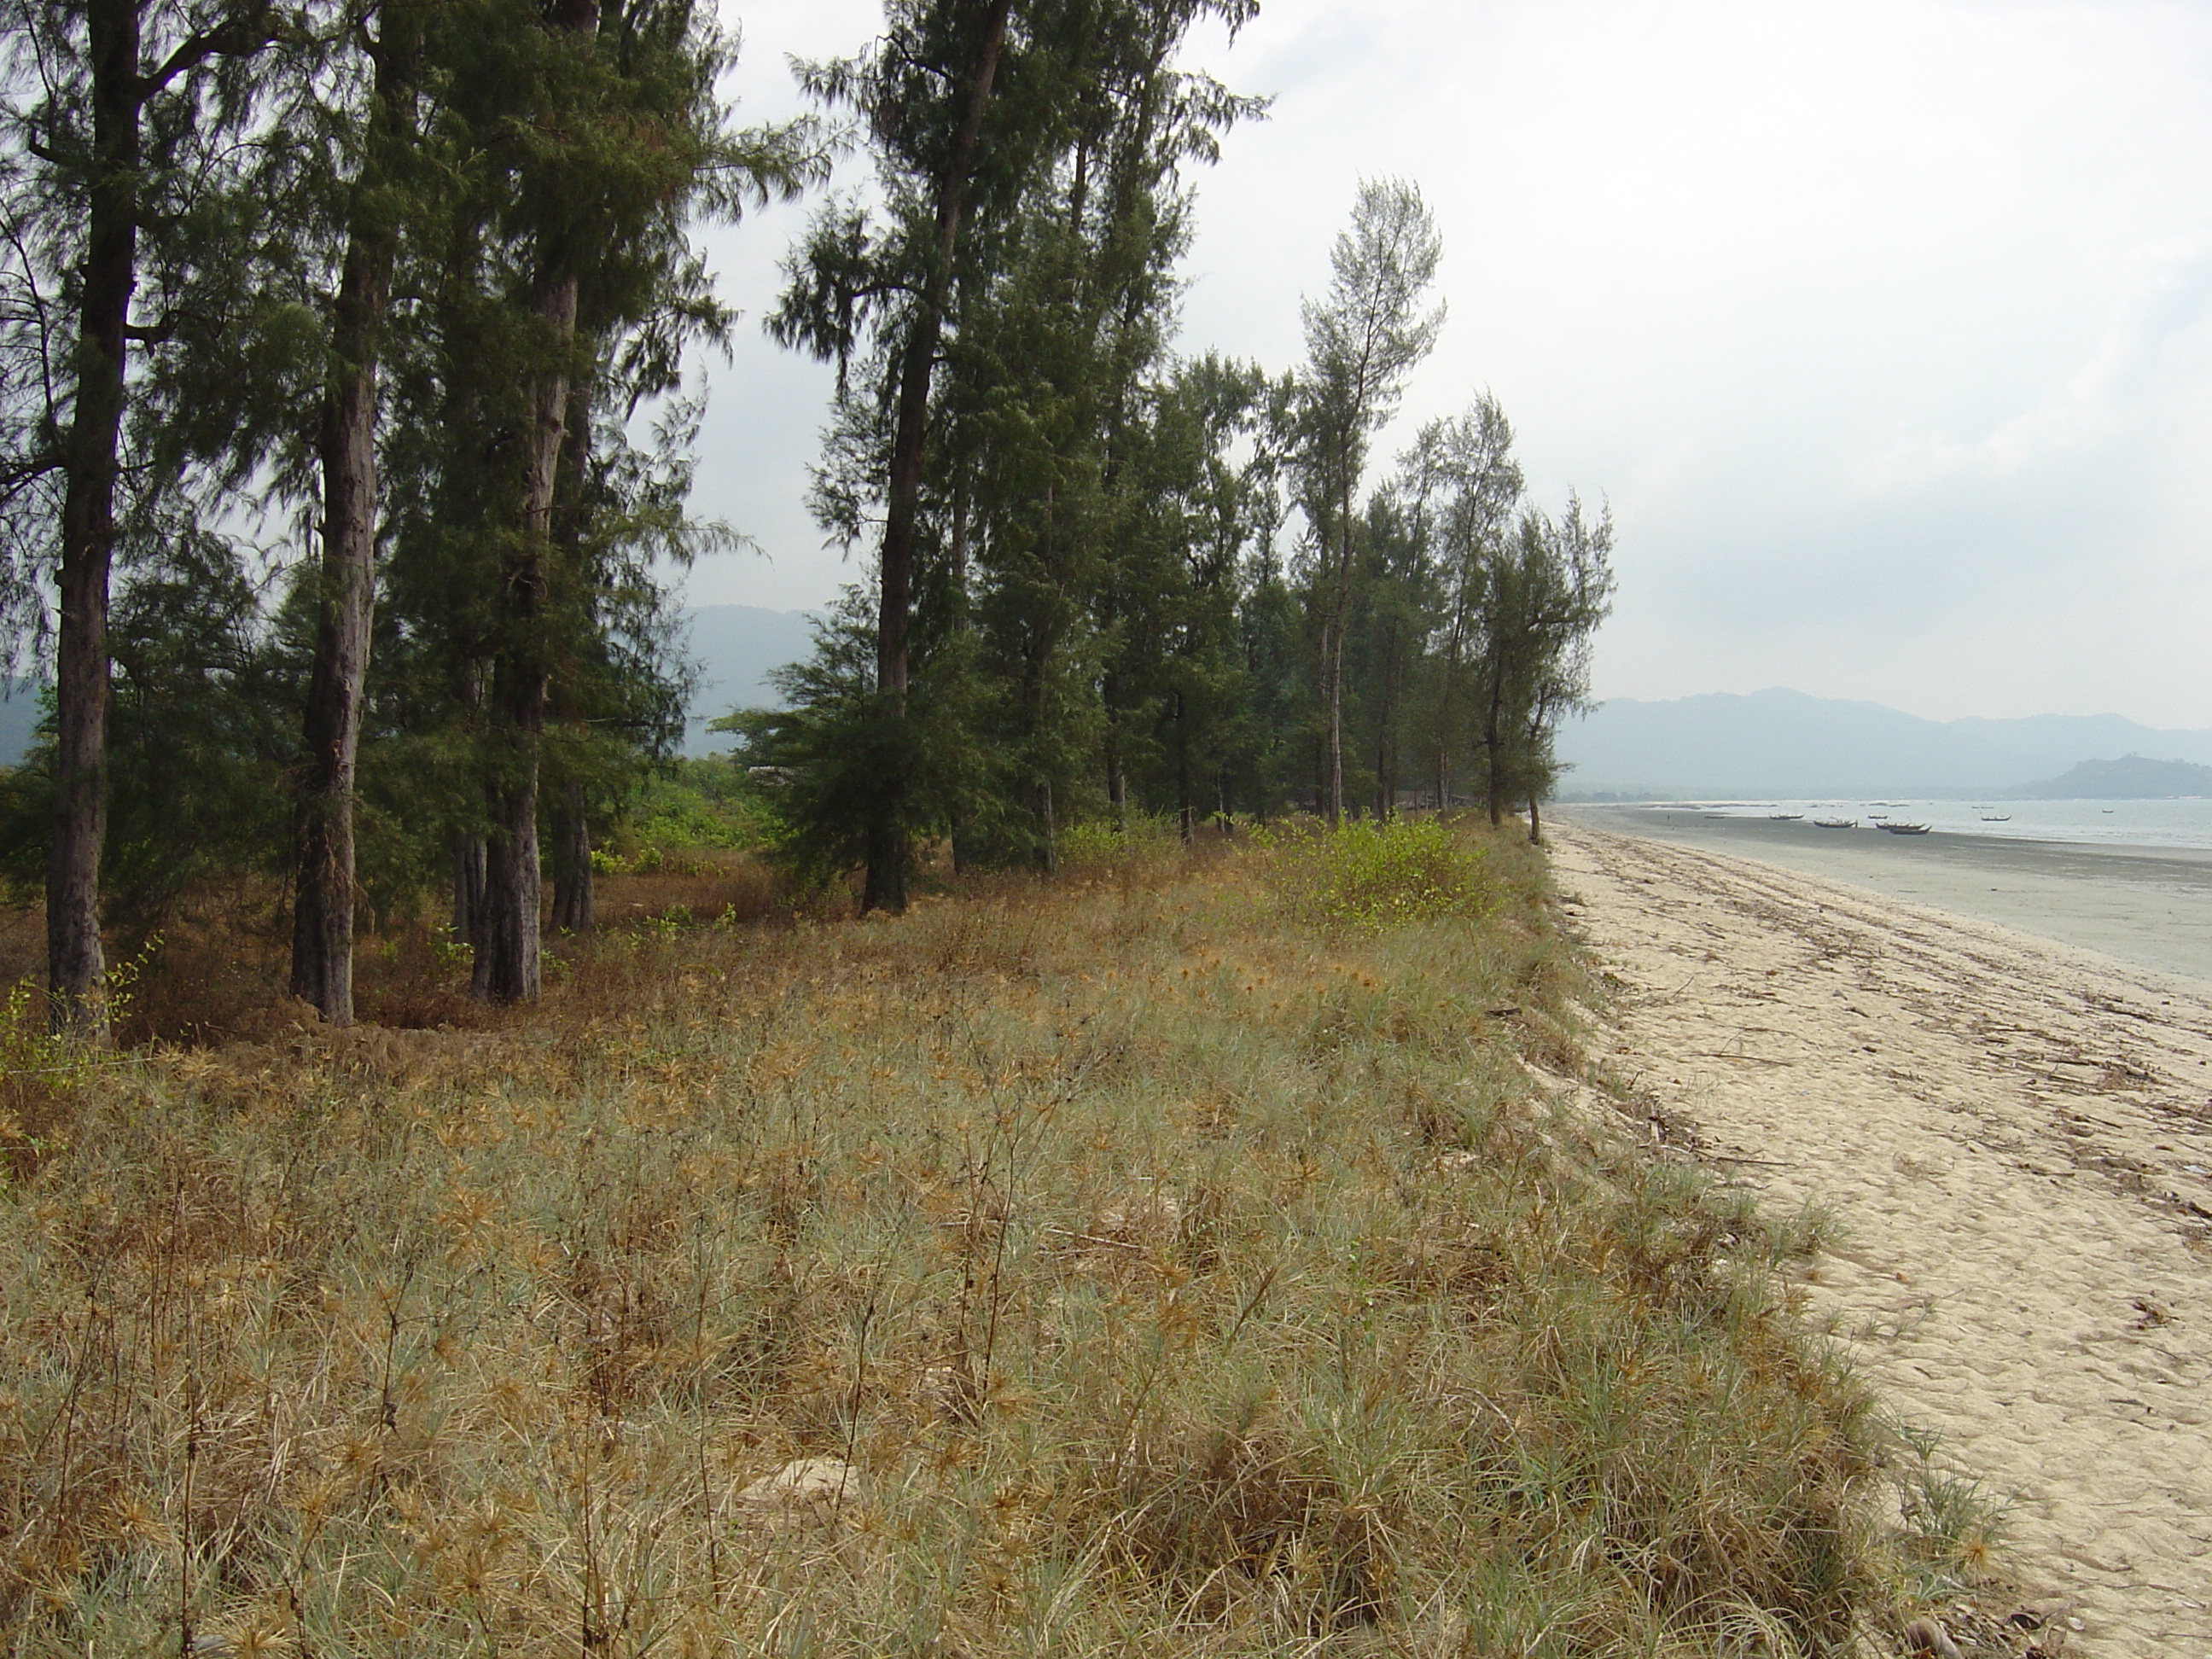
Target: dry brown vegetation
[
  {"x": 1148, "y": 1267},
  {"x": 216, "y": 970}
]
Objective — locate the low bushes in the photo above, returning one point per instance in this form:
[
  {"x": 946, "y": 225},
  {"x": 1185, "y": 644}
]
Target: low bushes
[{"x": 1156, "y": 1271}]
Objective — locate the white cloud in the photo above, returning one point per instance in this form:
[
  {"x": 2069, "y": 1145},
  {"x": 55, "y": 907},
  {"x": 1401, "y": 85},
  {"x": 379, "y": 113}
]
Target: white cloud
[
  {"x": 1884, "y": 323},
  {"x": 2153, "y": 362}
]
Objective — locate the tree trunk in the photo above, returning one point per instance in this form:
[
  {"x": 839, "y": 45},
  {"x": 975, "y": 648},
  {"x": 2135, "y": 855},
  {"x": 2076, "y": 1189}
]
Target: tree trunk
[
  {"x": 323, "y": 872},
  {"x": 569, "y": 520},
  {"x": 573, "y": 909},
  {"x": 885, "y": 884},
  {"x": 1493, "y": 749},
  {"x": 1045, "y": 853},
  {"x": 1332, "y": 680},
  {"x": 468, "y": 889},
  {"x": 76, "y": 968},
  {"x": 1333, "y": 640},
  {"x": 1381, "y": 744},
  {"x": 510, "y": 966},
  {"x": 959, "y": 834},
  {"x": 1048, "y": 852},
  {"x": 887, "y": 850},
  {"x": 1182, "y": 769},
  {"x": 510, "y": 922},
  {"x": 1386, "y": 738},
  {"x": 895, "y": 579},
  {"x": 1117, "y": 777},
  {"x": 1535, "y": 824},
  {"x": 1383, "y": 799}
]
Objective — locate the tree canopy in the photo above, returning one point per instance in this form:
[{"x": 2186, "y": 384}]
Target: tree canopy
[{"x": 346, "y": 438}]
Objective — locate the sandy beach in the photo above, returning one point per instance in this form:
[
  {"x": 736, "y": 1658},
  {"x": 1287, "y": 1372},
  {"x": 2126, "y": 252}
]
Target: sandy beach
[
  {"x": 2015, "y": 1134},
  {"x": 2151, "y": 907}
]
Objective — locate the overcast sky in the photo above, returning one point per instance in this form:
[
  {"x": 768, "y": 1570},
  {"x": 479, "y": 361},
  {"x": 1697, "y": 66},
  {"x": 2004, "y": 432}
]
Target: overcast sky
[{"x": 1885, "y": 328}]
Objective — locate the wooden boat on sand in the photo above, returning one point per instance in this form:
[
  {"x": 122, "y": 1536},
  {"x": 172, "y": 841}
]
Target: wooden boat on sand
[{"x": 1906, "y": 829}]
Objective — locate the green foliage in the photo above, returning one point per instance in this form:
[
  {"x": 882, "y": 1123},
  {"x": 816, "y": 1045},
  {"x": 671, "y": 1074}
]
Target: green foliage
[
  {"x": 1113, "y": 625},
  {"x": 1953, "y": 1524},
  {"x": 1370, "y": 874},
  {"x": 1094, "y": 844},
  {"x": 54, "y": 1065},
  {"x": 1047, "y": 548},
  {"x": 395, "y": 190},
  {"x": 695, "y": 804},
  {"x": 1362, "y": 341},
  {"x": 40, "y": 1071},
  {"x": 842, "y": 755},
  {"x": 199, "y": 729}
]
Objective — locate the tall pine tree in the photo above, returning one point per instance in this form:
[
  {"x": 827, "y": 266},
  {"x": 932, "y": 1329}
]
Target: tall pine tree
[
  {"x": 127, "y": 109},
  {"x": 1361, "y": 341}
]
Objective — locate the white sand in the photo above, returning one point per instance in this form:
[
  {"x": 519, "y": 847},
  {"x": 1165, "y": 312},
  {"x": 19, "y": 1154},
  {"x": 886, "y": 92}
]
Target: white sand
[{"x": 2017, "y": 1136}]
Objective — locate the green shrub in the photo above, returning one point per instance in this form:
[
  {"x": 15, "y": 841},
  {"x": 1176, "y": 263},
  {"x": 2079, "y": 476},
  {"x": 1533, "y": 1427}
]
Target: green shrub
[
  {"x": 700, "y": 805},
  {"x": 1370, "y": 875},
  {"x": 1096, "y": 842}
]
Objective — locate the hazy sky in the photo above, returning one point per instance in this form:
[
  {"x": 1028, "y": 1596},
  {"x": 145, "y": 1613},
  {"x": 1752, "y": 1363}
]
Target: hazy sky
[{"x": 1887, "y": 328}]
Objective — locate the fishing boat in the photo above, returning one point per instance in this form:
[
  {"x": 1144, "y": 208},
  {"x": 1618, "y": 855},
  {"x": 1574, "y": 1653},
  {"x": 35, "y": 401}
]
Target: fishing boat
[
  {"x": 1785, "y": 818},
  {"x": 1835, "y": 824},
  {"x": 1906, "y": 829},
  {"x": 1996, "y": 818}
]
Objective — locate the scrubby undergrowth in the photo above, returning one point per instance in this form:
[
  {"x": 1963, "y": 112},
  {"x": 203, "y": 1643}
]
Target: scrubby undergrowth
[{"x": 1160, "y": 1262}]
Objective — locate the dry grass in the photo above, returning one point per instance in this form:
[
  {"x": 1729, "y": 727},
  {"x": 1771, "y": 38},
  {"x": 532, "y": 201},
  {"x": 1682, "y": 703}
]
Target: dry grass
[
  {"x": 1165, "y": 1275},
  {"x": 218, "y": 971}
]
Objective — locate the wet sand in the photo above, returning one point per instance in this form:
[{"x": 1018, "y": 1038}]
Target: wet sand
[
  {"x": 2015, "y": 1136},
  {"x": 2151, "y": 908}
]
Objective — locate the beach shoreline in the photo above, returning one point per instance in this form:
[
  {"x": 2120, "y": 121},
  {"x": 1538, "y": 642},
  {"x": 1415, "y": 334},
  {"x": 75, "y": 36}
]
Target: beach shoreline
[
  {"x": 2151, "y": 907},
  {"x": 2014, "y": 1138}
]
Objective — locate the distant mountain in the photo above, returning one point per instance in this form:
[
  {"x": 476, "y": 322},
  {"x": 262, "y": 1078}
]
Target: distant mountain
[
  {"x": 2131, "y": 777},
  {"x": 738, "y": 647},
  {"x": 19, "y": 719},
  {"x": 1785, "y": 744}
]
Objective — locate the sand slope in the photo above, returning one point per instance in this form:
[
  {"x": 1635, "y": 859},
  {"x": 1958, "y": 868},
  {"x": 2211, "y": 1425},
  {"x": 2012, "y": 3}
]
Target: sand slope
[{"x": 2017, "y": 1136}]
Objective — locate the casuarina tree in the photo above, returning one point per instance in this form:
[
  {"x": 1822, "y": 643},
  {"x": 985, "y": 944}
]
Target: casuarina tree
[
  {"x": 603, "y": 137},
  {"x": 123, "y": 108},
  {"x": 342, "y": 586},
  {"x": 1548, "y": 588},
  {"x": 925, "y": 95},
  {"x": 1362, "y": 340}
]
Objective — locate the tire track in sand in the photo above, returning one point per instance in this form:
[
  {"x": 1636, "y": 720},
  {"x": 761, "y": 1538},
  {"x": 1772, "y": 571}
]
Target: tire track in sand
[{"x": 2017, "y": 1136}]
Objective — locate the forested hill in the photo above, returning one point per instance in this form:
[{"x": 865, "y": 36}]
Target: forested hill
[
  {"x": 1783, "y": 743},
  {"x": 2131, "y": 777},
  {"x": 19, "y": 719}
]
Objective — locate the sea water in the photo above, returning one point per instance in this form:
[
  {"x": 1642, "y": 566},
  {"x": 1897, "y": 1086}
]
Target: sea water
[{"x": 2110, "y": 822}]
